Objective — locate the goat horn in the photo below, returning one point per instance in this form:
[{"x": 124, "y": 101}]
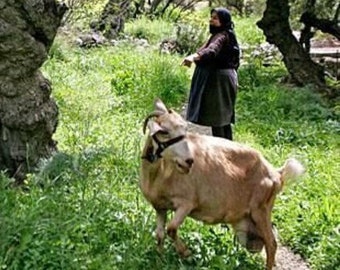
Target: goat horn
[{"x": 153, "y": 114}]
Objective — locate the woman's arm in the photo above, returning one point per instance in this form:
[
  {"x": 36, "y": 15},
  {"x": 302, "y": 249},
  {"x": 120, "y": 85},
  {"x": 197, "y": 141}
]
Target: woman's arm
[
  {"x": 208, "y": 51},
  {"x": 214, "y": 47},
  {"x": 190, "y": 59}
]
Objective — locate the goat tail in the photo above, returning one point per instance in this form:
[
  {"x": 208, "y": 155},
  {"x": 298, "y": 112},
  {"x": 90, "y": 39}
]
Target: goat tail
[{"x": 291, "y": 170}]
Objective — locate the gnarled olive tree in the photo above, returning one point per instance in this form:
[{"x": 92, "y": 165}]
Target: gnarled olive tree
[
  {"x": 303, "y": 71},
  {"x": 28, "y": 114}
]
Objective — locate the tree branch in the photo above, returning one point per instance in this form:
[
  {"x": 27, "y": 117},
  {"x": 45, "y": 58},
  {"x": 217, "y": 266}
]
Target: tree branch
[
  {"x": 326, "y": 26},
  {"x": 337, "y": 13}
]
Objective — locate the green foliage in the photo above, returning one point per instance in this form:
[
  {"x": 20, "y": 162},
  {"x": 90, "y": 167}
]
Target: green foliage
[
  {"x": 173, "y": 13},
  {"x": 164, "y": 78},
  {"x": 253, "y": 74},
  {"x": 154, "y": 31},
  {"x": 323, "y": 9},
  {"x": 82, "y": 12},
  {"x": 56, "y": 51},
  {"x": 189, "y": 37},
  {"x": 83, "y": 209},
  {"x": 313, "y": 224},
  {"x": 189, "y": 32},
  {"x": 247, "y": 31},
  {"x": 272, "y": 104},
  {"x": 255, "y": 7}
]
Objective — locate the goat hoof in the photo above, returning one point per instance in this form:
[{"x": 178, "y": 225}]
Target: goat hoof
[
  {"x": 184, "y": 253},
  {"x": 160, "y": 249},
  {"x": 160, "y": 242}
]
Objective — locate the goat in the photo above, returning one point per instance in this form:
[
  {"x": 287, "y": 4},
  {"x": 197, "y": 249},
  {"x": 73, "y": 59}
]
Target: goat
[{"x": 210, "y": 179}]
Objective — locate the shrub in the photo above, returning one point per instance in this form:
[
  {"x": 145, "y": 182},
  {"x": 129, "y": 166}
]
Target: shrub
[
  {"x": 154, "y": 31},
  {"x": 84, "y": 206}
]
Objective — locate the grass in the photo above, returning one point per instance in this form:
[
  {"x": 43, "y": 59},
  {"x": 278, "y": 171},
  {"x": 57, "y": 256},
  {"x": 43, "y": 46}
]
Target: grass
[
  {"x": 152, "y": 30},
  {"x": 295, "y": 122},
  {"x": 83, "y": 208}
]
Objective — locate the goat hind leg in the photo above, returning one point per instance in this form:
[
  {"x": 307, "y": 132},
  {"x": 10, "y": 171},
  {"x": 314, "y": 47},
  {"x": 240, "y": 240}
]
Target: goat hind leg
[
  {"x": 172, "y": 229},
  {"x": 263, "y": 225}
]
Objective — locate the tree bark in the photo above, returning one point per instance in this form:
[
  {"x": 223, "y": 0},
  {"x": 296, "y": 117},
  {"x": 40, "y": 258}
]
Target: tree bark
[
  {"x": 28, "y": 115},
  {"x": 113, "y": 18},
  {"x": 306, "y": 33},
  {"x": 275, "y": 25},
  {"x": 327, "y": 26}
]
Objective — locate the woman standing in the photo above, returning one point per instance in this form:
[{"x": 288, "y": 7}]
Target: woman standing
[{"x": 214, "y": 82}]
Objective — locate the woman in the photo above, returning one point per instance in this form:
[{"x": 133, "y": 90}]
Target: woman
[{"x": 214, "y": 82}]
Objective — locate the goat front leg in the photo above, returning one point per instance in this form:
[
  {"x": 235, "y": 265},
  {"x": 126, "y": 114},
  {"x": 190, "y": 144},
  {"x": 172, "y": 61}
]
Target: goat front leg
[
  {"x": 160, "y": 230},
  {"x": 178, "y": 218}
]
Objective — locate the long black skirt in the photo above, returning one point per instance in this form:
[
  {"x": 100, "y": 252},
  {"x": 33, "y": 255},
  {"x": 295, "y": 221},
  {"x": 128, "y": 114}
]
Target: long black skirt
[{"x": 212, "y": 97}]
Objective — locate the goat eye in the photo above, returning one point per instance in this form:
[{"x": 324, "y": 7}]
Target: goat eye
[{"x": 170, "y": 111}]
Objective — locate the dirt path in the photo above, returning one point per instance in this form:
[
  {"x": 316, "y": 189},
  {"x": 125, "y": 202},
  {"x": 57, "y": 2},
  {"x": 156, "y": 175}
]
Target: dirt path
[{"x": 285, "y": 258}]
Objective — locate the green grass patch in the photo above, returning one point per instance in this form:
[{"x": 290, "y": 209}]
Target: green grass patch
[
  {"x": 154, "y": 31},
  {"x": 83, "y": 209}
]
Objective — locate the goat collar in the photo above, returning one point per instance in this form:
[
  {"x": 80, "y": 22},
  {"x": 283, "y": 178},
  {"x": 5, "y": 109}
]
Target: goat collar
[{"x": 161, "y": 147}]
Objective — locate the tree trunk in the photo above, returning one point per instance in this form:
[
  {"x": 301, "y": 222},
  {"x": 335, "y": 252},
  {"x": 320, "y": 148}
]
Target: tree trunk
[
  {"x": 113, "y": 18},
  {"x": 275, "y": 25},
  {"x": 28, "y": 115}
]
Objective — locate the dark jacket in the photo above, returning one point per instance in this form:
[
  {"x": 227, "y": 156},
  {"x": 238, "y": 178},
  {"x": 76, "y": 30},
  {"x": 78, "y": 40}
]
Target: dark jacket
[
  {"x": 214, "y": 84},
  {"x": 221, "y": 51}
]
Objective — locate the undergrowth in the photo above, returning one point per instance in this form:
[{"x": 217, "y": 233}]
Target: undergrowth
[{"x": 83, "y": 209}]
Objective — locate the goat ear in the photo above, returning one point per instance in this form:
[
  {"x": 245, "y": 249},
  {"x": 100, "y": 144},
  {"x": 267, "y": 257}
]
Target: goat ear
[
  {"x": 154, "y": 127},
  {"x": 159, "y": 106}
]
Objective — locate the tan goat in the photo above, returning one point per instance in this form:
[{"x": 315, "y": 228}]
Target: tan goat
[{"x": 209, "y": 179}]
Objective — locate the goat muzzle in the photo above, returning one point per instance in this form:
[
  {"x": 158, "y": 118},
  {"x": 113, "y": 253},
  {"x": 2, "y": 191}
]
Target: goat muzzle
[{"x": 184, "y": 166}]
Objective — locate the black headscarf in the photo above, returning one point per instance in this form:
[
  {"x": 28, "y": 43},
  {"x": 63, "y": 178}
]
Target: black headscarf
[
  {"x": 225, "y": 20},
  {"x": 227, "y": 25}
]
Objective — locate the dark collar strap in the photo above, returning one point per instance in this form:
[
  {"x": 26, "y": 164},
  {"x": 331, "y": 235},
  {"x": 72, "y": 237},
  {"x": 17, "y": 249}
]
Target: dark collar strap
[{"x": 161, "y": 147}]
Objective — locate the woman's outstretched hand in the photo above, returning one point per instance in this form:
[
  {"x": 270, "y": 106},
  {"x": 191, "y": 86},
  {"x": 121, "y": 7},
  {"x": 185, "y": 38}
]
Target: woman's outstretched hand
[{"x": 190, "y": 59}]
